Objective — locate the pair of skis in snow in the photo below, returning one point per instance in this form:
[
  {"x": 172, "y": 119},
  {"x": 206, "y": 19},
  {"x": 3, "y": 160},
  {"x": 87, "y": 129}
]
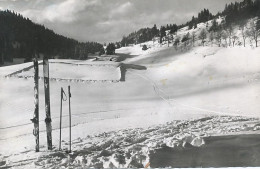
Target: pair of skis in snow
[
  {"x": 62, "y": 99},
  {"x": 35, "y": 119}
]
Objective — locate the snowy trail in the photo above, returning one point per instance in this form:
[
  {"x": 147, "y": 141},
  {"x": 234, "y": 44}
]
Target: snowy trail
[
  {"x": 167, "y": 99},
  {"x": 157, "y": 90}
]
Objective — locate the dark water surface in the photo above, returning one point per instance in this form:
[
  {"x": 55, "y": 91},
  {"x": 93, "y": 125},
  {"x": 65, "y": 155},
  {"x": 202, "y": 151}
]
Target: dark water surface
[{"x": 219, "y": 151}]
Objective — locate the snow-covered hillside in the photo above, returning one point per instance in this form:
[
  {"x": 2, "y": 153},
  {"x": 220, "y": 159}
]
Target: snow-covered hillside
[
  {"x": 146, "y": 89},
  {"x": 201, "y": 82}
]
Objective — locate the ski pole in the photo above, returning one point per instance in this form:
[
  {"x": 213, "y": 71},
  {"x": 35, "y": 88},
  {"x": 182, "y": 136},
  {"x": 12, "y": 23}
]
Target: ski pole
[
  {"x": 61, "y": 98},
  {"x": 69, "y": 116}
]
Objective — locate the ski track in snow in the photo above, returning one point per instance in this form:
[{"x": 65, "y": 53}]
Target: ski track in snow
[
  {"x": 157, "y": 90},
  {"x": 167, "y": 99}
]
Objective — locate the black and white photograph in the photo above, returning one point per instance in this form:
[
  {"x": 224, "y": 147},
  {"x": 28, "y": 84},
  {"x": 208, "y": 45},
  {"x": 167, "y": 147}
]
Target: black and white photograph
[{"x": 129, "y": 84}]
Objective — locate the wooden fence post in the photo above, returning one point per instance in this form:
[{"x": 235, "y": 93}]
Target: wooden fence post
[
  {"x": 47, "y": 102},
  {"x": 35, "y": 119}
]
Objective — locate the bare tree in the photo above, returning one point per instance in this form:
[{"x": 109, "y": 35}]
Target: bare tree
[
  {"x": 211, "y": 37},
  {"x": 219, "y": 37},
  {"x": 254, "y": 31},
  {"x": 230, "y": 33},
  {"x": 169, "y": 38},
  {"x": 242, "y": 26},
  {"x": 203, "y": 36},
  {"x": 234, "y": 38},
  {"x": 176, "y": 42},
  {"x": 225, "y": 36},
  {"x": 154, "y": 39},
  {"x": 193, "y": 37},
  {"x": 188, "y": 38}
]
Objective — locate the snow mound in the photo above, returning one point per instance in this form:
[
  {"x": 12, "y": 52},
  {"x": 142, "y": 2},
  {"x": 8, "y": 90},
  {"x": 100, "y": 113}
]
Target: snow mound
[{"x": 131, "y": 148}]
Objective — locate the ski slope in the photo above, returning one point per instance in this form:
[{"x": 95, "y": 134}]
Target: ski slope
[
  {"x": 197, "y": 83},
  {"x": 145, "y": 89}
]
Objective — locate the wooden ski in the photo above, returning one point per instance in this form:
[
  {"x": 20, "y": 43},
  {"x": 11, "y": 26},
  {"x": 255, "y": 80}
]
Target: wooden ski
[
  {"x": 47, "y": 102},
  {"x": 35, "y": 119}
]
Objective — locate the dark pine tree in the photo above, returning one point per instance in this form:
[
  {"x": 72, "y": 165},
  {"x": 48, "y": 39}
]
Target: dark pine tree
[
  {"x": 21, "y": 38},
  {"x": 111, "y": 49}
]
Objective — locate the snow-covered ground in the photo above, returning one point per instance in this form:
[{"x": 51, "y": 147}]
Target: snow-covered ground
[
  {"x": 78, "y": 71},
  {"x": 202, "y": 82},
  {"x": 133, "y": 148},
  {"x": 145, "y": 98}
]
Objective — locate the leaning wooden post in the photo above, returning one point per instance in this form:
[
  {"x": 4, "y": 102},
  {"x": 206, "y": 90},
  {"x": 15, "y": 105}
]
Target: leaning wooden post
[
  {"x": 35, "y": 119},
  {"x": 47, "y": 102}
]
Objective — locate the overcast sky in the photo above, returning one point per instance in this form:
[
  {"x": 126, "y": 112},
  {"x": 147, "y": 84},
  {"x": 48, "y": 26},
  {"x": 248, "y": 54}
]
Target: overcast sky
[{"x": 108, "y": 20}]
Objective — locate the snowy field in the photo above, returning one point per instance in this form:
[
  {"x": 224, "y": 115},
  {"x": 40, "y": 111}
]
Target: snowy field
[
  {"x": 203, "y": 82},
  {"x": 79, "y": 70},
  {"x": 123, "y": 111}
]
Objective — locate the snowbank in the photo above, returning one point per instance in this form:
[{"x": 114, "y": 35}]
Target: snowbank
[{"x": 131, "y": 148}]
